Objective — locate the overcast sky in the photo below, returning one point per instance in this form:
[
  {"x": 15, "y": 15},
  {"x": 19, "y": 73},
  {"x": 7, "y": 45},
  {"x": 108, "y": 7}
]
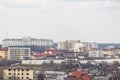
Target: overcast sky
[{"x": 85, "y": 20}]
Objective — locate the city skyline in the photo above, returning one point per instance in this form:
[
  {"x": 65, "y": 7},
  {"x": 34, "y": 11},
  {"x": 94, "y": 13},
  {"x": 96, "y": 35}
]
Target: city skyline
[{"x": 60, "y": 20}]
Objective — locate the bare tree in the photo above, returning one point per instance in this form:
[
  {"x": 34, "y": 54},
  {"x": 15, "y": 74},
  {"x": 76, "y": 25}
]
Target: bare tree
[{"x": 40, "y": 76}]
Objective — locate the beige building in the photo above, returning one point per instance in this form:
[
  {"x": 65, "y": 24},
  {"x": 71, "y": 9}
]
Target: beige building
[
  {"x": 73, "y": 45},
  {"x": 20, "y": 73},
  {"x": 62, "y": 46},
  {"x": 67, "y": 45},
  {"x": 3, "y": 54},
  {"x": 79, "y": 47},
  {"x": 70, "y": 44},
  {"x": 108, "y": 52}
]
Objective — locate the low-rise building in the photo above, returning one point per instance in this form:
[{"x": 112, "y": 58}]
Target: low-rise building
[
  {"x": 39, "y": 62},
  {"x": 20, "y": 73},
  {"x": 79, "y": 75},
  {"x": 96, "y": 53},
  {"x": 55, "y": 75}
]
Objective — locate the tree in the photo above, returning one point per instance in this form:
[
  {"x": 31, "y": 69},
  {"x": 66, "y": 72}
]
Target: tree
[
  {"x": 40, "y": 76},
  {"x": 1, "y": 75},
  {"x": 51, "y": 62},
  {"x": 116, "y": 63}
]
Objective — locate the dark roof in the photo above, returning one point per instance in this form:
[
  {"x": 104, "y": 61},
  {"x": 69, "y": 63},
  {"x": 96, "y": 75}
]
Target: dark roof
[
  {"x": 88, "y": 64},
  {"x": 19, "y": 67},
  {"x": 4, "y": 49}
]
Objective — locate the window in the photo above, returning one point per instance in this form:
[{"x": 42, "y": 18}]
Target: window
[
  {"x": 27, "y": 73},
  {"x": 9, "y": 69},
  {"x": 22, "y": 77},
  {"x": 18, "y": 69},
  {"x": 9, "y": 74},
  {"x": 27, "y": 70},
  {"x": 18, "y": 73},
  {"x": 9, "y": 77},
  {"x": 22, "y": 73},
  {"x": 27, "y": 77}
]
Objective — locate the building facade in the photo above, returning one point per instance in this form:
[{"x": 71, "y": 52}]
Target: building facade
[
  {"x": 71, "y": 43},
  {"x": 19, "y": 53},
  {"x": 3, "y": 54},
  {"x": 18, "y": 73},
  {"x": 96, "y": 53},
  {"x": 67, "y": 45},
  {"x": 61, "y": 46},
  {"x": 79, "y": 47},
  {"x": 35, "y": 44}
]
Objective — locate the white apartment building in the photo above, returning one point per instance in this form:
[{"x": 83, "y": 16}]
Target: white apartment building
[
  {"x": 79, "y": 47},
  {"x": 27, "y": 41},
  {"x": 96, "y": 53},
  {"x": 18, "y": 53},
  {"x": 67, "y": 45},
  {"x": 94, "y": 45},
  {"x": 70, "y": 44},
  {"x": 61, "y": 46}
]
